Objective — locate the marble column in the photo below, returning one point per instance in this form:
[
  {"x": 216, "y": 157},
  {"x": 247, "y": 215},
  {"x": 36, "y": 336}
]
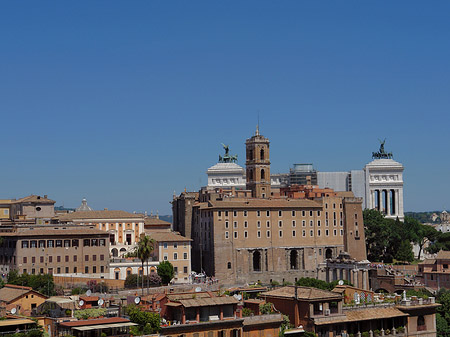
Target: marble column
[{"x": 388, "y": 202}]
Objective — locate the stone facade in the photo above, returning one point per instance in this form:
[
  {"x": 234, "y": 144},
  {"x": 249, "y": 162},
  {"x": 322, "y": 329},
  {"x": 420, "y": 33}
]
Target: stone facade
[{"x": 258, "y": 166}]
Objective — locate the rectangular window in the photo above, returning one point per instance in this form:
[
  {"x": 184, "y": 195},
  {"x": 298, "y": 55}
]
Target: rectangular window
[
  {"x": 86, "y": 258},
  {"x": 226, "y": 235},
  {"x": 268, "y": 234},
  {"x": 356, "y": 216},
  {"x": 311, "y": 223},
  {"x": 185, "y": 270},
  {"x": 245, "y": 213},
  {"x": 258, "y": 224},
  {"x": 318, "y": 223},
  {"x": 67, "y": 258},
  {"x": 86, "y": 270},
  {"x": 24, "y": 259},
  {"x": 342, "y": 232},
  {"x": 24, "y": 244},
  {"x": 67, "y": 270},
  {"x": 94, "y": 269},
  {"x": 235, "y": 224},
  {"x": 226, "y": 213},
  {"x": 293, "y": 213},
  {"x": 41, "y": 259},
  {"x": 75, "y": 258},
  {"x": 58, "y": 243},
  {"x": 226, "y": 224},
  {"x": 310, "y": 213},
  {"x": 50, "y": 243},
  {"x": 86, "y": 242},
  {"x": 219, "y": 213},
  {"x": 102, "y": 257},
  {"x": 303, "y": 233},
  {"x": 258, "y": 234},
  {"x": 280, "y": 234},
  {"x": 280, "y": 213},
  {"x": 165, "y": 245},
  {"x": 66, "y": 243},
  {"x": 335, "y": 232},
  {"x": 58, "y": 259},
  {"x": 303, "y": 223},
  {"x": 311, "y": 233},
  {"x": 245, "y": 224},
  {"x": 102, "y": 242},
  {"x": 303, "y": 213},
  {"x": 175, "y": 256},
  {"x": 318, "y": 232},
  {"x": 33, "y": 259},
  {"x": 33, "y": 244},
  {"x": 50, "y": 259},
  {"x": 293, "y": 223},
  {"x": 318, "y": 213},
  {"x": 185, "y": 256},
  {"x": 41, "y": 243},
  {"x": 94, "y": 257},
  {"x": 245, "y": 234},
  {"x": 258, "y": 213},
  {"x": 293, "y": 234},
  {"x": 234, "y": 213},
  {"x": 175, "y": 245},
  {"x": 175, "y": 270},
  {"x": 327, "y": 232},
  {"x": 166, "y": 257},
  {"x": 74, "y": 270}
]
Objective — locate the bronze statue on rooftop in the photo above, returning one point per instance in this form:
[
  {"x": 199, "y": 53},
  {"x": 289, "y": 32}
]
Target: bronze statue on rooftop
[
  {"x": 227, "y": 158},
  {"x": 381, "y": 154}
]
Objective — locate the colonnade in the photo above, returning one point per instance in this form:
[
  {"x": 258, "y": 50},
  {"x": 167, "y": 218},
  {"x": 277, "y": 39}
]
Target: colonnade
[
  {"x": 385, "y": 200},
  {"x": 358, "y": 277}
]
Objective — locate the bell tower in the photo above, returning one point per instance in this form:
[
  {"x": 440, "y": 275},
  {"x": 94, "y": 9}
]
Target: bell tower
[{"x": 258, "y": 165}]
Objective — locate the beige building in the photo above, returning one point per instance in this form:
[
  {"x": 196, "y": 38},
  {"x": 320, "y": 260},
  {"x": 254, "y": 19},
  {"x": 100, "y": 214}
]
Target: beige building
[
  {"x": 23, "y": 299},
  {"x": 124, "y": 228},
  {"x": 63, "y": 250},
  {"x": 171, "y": 246},
  {"x": 268, "y": 237}
]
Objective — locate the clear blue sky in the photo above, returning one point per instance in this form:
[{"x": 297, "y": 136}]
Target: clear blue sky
[{"x": 123, "y": 102}]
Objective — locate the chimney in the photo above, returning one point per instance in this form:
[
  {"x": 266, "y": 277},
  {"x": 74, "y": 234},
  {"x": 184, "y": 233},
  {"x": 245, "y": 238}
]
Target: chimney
[{"x": 45, "y": 196}]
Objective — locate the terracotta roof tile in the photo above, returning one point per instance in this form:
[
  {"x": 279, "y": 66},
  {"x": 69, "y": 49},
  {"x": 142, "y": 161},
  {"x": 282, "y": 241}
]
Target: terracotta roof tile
[
  {"x": 365, "y": 315},
  {"x": 266, "y": 203},
  {"x": 34, "y": 198},
  {"x": 96, "y": 215},
  {"x": 303, "y": 293},
  {"x": 443, "y": 254},
  {"x": 10, "y": 292},
  {"x": 51, "y": 231},
  {"x": 95, "y": 321},
  {"x": 165, "y": 236}
]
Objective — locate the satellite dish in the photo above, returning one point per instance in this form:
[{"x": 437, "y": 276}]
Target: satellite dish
[
  {"x": 81, "y": 303},
  {"x": 238, "y": 296},
  {"x": 341, "y": 282},
  {"x": 198, "y": 289},
  {"x": 13, "y": 311},
  {"x": 89, "y": 292},
  {"x": 137, "y": 300},
  {"x": 100, "y": 302}
]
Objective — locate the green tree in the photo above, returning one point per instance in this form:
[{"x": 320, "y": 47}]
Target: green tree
[
  {"x": 404, "y": 252},
  {"x": 420, "y": 234},
  {"x": 165, "y": 271},
  {"x": 42, "y": 283},
  {"x": 144, "y": 252},
  {"x": 149, "y": 322}
]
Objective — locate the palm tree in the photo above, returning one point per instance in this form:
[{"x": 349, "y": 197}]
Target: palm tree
[{"x": 144, "y": 251}]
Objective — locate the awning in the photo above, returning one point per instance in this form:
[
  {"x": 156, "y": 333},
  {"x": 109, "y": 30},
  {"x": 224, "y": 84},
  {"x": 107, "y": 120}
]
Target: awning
[{"x": 103, "y": 326}]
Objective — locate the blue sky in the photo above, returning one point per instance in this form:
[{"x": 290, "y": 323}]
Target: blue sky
[{"x": 126, "y": 102}]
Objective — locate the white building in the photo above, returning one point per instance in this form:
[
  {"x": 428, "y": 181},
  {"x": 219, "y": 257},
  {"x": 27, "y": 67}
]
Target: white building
[
  {"x": 226, "y": 175},
  {"x": 380, "y": 184}
]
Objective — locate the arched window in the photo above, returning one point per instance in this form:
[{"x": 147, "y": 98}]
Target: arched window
[
  {"x": 115, "y": 252},
  {"x": 263, "y": 174},
  {"x": 328, "y": 253},
  {"x": 229, "y": 265},
  {"x": 420, "y": 322},
  {"x": 294, "y": 259},
  {"x": 250, "y": 154},
  {"x": 262, "y": 154},
  {"x": 250, "y": 174},
  {"x": 256, "y": 261}
]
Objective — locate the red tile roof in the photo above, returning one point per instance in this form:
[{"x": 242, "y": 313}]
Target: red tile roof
[{"x": 95, "y": 321}]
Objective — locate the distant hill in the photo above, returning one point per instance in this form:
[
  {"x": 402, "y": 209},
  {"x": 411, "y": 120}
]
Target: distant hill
[
  {"x": 168, "y": 218},
  {"x": 424, "y": 217}
]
